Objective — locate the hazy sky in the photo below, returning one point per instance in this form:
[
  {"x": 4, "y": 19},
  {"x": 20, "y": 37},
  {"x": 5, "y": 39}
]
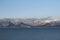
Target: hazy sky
[{"x": 29, "y": 8}]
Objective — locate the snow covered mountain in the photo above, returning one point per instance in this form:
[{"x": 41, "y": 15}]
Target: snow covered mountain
[{"x": 16, "y": 23}]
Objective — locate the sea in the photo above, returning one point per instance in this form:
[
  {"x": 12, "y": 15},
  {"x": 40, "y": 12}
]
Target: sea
[{"x": 29, "y": 33}]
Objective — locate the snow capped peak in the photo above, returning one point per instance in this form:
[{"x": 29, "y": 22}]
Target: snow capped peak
[{"x": 51, "y": 20}]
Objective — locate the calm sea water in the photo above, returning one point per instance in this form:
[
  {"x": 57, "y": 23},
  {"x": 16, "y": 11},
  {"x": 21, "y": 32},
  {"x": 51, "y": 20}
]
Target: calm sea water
[{"x": 30, "y": 34}]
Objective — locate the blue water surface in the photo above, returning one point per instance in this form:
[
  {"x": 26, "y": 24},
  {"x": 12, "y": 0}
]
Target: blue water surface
[{"x": 29, "y": 33}]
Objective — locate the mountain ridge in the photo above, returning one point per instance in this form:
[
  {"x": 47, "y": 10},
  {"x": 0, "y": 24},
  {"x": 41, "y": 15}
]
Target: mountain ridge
[{"x": 29, "y": 23}]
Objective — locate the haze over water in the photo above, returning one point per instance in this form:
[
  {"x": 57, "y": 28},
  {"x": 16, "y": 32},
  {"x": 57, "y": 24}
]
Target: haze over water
[{"x": 29, "y": 9}]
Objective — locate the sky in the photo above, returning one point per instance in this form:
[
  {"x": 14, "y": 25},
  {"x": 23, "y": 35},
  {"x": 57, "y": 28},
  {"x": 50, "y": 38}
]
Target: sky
[{"x": 29, "y": 8}]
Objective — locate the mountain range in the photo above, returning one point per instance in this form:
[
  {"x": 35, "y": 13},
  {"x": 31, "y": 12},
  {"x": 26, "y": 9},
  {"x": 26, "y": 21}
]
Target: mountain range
[{"x": 29, "y": 22}]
